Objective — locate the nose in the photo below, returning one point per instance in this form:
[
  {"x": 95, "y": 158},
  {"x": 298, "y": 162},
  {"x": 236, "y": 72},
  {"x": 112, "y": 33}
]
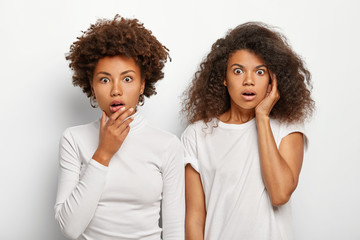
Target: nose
[
  {"x": 249, "y": 80},
  {"x": 116, "y": 89}
]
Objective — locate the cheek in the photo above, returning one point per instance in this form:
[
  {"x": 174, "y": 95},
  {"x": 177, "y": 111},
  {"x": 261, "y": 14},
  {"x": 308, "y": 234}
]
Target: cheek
[
  {"x": 264, "y": 89},
  {"x": 133, "y": 93},
  {"x": 99, "y": 92},
  {"x": 234, "y": 89}
]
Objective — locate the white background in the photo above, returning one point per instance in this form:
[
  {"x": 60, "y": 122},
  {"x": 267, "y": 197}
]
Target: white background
[{"x": 38, "y": 101}]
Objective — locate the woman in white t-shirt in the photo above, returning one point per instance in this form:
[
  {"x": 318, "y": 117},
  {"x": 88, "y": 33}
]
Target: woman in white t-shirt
[
  {"x": 117, "y": 173},
  {"x": 244, "y": 146}
]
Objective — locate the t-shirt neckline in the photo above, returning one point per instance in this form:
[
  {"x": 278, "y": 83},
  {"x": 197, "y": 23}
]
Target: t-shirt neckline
[{"x": 236, "y": 126}]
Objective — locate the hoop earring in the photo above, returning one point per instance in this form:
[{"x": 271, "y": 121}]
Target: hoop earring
[
  {"x": 93, "y": 102},
  {"x": 141, "y": 100}
]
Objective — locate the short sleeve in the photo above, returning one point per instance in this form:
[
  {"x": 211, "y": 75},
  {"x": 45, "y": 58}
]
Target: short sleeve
[
  {"x": 287, "y": 129},
  {"x": 188, "y": 139}
]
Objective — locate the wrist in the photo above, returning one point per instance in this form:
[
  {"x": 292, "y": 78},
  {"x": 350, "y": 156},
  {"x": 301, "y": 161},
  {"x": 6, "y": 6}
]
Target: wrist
[
  {"x": 101, "y": 157},
  {"x": 262, "y": 118}
]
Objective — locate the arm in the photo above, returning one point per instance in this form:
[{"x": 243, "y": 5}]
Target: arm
[
  {"x": 77, "y": 197},
  {"x": 281, "y": 167},
  {"x": 173, "y": 202},
  {"x": 195, "y": 205}
]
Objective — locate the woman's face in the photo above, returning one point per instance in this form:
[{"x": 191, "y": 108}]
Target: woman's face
[
  {"x": 117, "y": 83},
  {"x": 247, "y": 79}
]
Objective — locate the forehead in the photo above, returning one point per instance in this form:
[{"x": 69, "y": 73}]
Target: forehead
[
  {"x": 245, "y": 58},
  {"x": 116, "y": 64}
]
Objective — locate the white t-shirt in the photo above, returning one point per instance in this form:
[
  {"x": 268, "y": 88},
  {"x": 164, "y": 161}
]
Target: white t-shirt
[
  {"x": 123, "y": 200},
  {"x": 237, "y": 203}
]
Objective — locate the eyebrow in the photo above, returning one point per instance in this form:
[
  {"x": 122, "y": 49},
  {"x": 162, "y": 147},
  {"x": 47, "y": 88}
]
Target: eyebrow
[
  {"x": 263, "y": 65},
  {"x": 238, "y": 65},
  {"x": 127, "y": 71},
  {"x": 108, "y": 74},
  {"x": 104, "y": 73},
  {"x": 241, "y": 66}
]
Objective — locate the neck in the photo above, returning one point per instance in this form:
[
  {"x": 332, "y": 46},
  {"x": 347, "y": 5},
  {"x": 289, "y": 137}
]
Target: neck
[{"x": 236, "y": 115}]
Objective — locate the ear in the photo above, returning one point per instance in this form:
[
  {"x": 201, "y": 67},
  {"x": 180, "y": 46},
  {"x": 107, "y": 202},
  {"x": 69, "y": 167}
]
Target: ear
[
  {"x": 93, "y": 92},
  {"x": 91, "y": 86},
  {"x": 225, "y": 84},
  {"x": 142, "y": 86}
]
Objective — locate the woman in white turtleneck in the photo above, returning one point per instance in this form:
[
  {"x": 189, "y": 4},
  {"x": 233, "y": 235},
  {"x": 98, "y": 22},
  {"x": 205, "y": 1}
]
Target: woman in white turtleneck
[{"x": 118, "y": 172}]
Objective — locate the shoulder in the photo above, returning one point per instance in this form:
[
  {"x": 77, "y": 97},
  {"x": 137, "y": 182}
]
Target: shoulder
[
  {"x": 287, "y": 127},
  {"x": 160, "y": 137},
  {"x": 82, "y": 131},
  {"x": 190, "y": 129},
  {"x": 283, "y": 129},
  {"x": 78, "y": 140},
  {"x": 160, "y": 133},
  {"x": 165, "y": 145},
  {"x": 199, "y": 128}
]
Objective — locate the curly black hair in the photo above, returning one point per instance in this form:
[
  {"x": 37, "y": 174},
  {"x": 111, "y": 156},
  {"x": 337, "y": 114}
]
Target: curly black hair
[
  {"x": 207, "y": 97},
  {"x": 119, "y": 36}
]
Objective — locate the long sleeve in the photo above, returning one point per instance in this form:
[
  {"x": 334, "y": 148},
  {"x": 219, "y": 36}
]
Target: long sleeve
[
  {"x": 80, "y": 187},
  {"x": 173, "y": 202}
]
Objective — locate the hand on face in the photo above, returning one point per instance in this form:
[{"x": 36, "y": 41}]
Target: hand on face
[
  {"x": 112, "y": 134},
  {"x": 272, "y": 96}
]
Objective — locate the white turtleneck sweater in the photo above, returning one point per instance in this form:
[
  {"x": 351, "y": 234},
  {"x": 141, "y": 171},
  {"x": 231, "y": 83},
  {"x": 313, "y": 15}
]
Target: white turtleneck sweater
[{"x": 123, "y": 200}]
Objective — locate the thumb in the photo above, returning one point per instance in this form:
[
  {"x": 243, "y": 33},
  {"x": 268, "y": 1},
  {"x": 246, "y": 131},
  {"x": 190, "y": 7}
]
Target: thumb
[{"x": 103, "y": 119}]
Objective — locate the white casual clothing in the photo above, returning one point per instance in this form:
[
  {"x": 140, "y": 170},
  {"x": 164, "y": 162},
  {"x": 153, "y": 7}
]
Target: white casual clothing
[
  {"x": 237, "y": 203},
  {"x": 123, "y": 200}
]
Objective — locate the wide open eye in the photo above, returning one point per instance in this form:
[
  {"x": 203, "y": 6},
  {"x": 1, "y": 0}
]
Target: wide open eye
[
  {"x": 260, "y": 72},
  {"x": 104, "y": 80},
  {"x": 238, "y": 71},
  {"x": 128, "y": 79}
]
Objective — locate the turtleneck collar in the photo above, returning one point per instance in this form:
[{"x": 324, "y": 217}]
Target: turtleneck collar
[{"x": 138, "y": 122}]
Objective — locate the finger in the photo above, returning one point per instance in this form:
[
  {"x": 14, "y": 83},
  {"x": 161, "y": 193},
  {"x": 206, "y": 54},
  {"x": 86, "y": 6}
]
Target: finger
[
  {"x": 126, "y": 124},
  {"x": 276, "y": 92},
  {"x": 125, "y": 127},
  {"x": 274, "y": 86},
  {"x": 268, "y": 91},
  {"x": 124, "y": 116},
  {"x": 115, "y": 115},
  {"x": 274, "y": 81},
  {"x": 124, "y": 133},
  {"x": 272, "y": 75}
]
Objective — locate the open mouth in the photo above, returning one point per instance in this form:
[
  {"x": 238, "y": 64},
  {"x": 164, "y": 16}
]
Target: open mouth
[
  {"x": 248, "y": 94},
  {"x": 117, "y": 104}
]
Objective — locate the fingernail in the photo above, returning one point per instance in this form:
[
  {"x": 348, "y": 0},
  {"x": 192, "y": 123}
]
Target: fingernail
[
  {"x": 131, "y": 109},
  {"x": 122, "y": 108}
]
